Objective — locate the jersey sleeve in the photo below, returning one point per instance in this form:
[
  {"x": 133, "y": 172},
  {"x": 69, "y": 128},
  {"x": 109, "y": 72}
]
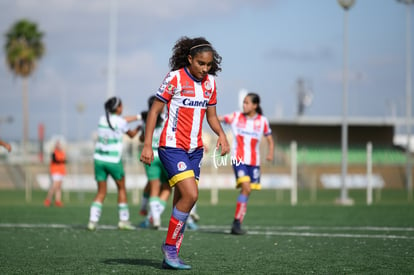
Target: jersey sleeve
[
  {"x": 167, "y": 88},
  {"x": 213, "y": 97},
  {"x": 266, "y": 129},
  {"x": 123, "y": 125},
  {"x": 229, "y": 118}
]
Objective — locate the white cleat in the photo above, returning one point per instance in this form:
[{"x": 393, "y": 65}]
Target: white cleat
[
  {"x": 156, "y": 223},
  {"x": 125, "y": 225},
  {"x": 92, "y": 226},
  {"x": 195, "y": 216}
]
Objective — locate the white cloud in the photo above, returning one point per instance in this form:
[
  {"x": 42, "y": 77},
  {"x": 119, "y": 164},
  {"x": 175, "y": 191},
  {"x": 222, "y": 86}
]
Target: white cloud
[
  {"x": 137, "y": 63},
  {"x": 158, "y": 9},
  {"x": 76, "y": 38},
  {"x": 45, "y": 6}
]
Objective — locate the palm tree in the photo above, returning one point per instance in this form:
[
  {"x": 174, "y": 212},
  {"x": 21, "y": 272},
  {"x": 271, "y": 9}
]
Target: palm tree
[{"x": 23, "y": 48}]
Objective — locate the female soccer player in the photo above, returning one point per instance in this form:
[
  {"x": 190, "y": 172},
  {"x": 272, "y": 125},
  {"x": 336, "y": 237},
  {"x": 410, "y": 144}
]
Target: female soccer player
[
  {"x": 108, "y": 161},
  {"x": 57, "y": 172},
  {"x": 157, "y": 186},
  {"x": 158, "y": 189},
  {"x": 248, "y": 128},
  {"x": 189, "y": 91}
]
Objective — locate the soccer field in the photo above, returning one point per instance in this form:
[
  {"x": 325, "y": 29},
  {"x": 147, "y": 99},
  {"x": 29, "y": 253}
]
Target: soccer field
[{"x": 310, "y": 238}]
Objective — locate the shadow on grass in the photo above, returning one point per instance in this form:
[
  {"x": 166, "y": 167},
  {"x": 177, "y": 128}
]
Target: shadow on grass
[{"x": 143, "y": 262}]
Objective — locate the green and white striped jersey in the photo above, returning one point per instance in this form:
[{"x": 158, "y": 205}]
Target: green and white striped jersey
[
  {"x": 108, "y": 147},
  {"x": 156, "y": 135}
]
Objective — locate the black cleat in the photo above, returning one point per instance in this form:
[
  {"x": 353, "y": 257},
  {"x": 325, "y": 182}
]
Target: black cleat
[{"x": 236, "y": 228}]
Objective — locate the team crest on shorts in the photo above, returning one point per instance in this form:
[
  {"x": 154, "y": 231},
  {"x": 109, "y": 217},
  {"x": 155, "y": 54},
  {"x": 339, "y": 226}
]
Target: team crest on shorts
[
  {"x": 256, "y": 173},
  {"x": 240, "y": 173},
  {"x": 181, "y": 166}
]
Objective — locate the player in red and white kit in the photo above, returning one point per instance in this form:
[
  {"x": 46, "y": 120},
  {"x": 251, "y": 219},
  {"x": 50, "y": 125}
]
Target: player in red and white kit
[
  {"x": 187, "y": 102},
  {"x": 189, "y": 91},
  {"x": 247, "y": 128}
]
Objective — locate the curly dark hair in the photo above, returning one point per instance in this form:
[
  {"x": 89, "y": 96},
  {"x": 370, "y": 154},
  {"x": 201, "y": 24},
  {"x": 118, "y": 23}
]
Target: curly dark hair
[{"x": 191, "y": 46}]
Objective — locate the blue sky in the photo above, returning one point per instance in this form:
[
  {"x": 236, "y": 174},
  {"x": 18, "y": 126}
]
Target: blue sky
[{"x": 266, "y": 47}]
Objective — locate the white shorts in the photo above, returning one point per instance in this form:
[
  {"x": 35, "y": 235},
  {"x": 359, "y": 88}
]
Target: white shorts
[{"x": 57, "y": 177}]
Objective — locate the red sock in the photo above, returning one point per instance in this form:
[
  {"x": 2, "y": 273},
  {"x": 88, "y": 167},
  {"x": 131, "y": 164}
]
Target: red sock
[
  {"x": 179, "y": 242},
  {"x": 241, "y": 208},
  {"x": 174, "y": 230}
]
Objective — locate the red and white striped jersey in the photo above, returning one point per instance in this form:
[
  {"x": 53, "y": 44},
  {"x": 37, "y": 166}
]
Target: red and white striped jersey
[
  {"x": 247, "y": 133},
  {"x": 187, "y": 100}
]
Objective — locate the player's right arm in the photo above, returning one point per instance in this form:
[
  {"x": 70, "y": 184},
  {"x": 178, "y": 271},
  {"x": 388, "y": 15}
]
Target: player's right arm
[
  {"x": 147, "y": 155},
  {"x": 5, "y": 145}
]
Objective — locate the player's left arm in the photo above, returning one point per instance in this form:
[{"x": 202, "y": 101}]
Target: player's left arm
[
  {"x": 132, "y": 132},
  {"x": 5, "y": 145},
  {"x": 129, "y": 119},
  {"x": 271, "y": 146}
]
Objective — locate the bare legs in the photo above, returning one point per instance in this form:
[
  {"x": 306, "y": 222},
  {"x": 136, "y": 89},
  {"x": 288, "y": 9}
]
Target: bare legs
[{"x": 54, "y": 190}]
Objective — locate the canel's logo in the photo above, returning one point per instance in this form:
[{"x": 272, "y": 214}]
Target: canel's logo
[{"x": 195, "y": 103}]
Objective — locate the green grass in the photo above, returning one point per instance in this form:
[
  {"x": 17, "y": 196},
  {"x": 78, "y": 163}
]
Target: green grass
[{"x": 314, "y": 237}]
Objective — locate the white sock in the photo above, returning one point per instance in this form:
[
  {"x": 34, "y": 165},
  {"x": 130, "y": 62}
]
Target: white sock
[
  {"x": 123, "y": 212},
  {"x": 95, "y": 212},
  {"x": 154, "y": 208},
  {"x": 193, "y": 210},
  {"x": 161, "y": 206}
]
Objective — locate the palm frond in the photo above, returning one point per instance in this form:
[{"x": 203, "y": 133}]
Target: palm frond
[{"x": 23, "y": 47}]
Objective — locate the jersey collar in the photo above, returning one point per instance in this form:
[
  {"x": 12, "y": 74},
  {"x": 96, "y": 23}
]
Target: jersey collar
[{"x": 191, "y": 76}]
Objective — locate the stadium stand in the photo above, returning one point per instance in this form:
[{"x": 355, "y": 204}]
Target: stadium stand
[{"x": 319, "y": 148}]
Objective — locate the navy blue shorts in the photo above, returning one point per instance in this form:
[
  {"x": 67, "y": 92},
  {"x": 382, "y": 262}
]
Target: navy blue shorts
[
  {"x": 247, "y": 173},
  {"x": 180, "y": 164}
]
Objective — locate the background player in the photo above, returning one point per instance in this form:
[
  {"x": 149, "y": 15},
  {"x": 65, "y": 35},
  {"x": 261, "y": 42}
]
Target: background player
[
  {"x": 108, "y": 161},
  {"x": 157, "y": 186},
  {"x": 247, "y": 128},
  {"x": 57, "y": 173}
]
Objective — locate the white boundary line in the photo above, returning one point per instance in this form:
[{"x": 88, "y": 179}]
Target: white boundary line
[
  {"x": 330, "y": 235},
  {"x": 256, "y": 230},
  {"x": 330, "y": 228}
]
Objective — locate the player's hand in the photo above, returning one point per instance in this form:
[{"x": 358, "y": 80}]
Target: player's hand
[
  {"x": 269, "y": 157},
  {"x": 147, "y": 155},
  {"x": 223, "y": 144}
]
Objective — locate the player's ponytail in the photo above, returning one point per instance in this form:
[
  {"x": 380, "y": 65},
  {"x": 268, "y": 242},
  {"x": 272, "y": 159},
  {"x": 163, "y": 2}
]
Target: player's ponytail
[
  {"x": 110, "y": 107},
  {"x": 256, "y": 100}
]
